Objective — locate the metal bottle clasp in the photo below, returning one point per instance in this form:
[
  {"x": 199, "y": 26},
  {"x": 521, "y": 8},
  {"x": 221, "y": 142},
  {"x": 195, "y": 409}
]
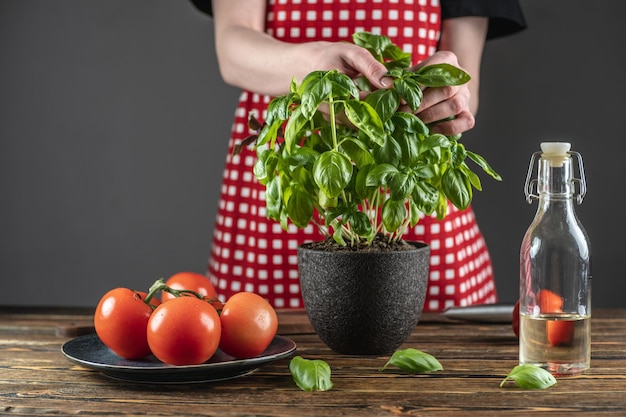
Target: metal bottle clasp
[{"x": 530, "y": 185}]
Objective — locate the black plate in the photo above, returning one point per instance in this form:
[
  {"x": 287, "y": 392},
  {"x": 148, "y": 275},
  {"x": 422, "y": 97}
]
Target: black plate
[{"x": 90, "y": 352}]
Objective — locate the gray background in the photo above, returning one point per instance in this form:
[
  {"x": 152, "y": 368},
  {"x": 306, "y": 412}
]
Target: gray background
[{"x": 114, "y": 125}]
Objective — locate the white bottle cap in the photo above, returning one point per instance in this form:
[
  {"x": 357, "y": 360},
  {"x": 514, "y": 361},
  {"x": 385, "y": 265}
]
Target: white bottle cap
[{"x": 555, "y": 152}]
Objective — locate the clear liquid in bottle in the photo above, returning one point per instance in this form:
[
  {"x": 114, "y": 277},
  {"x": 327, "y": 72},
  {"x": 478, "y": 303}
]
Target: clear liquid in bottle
[{"x": 558, "y": 342}]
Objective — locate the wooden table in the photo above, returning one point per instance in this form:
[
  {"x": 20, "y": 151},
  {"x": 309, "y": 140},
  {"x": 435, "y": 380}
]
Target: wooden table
[{"x": 37, "y": 380}]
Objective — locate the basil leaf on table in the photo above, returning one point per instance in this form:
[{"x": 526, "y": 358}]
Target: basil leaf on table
[
  {"x": 414, "y": 361},
  {"x": 530, "y": 377},
  {"x": 310, "y": 375}
]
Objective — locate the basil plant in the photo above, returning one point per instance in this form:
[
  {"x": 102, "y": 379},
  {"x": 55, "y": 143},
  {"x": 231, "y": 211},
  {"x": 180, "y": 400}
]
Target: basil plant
[{"x": 358, "y": 167}]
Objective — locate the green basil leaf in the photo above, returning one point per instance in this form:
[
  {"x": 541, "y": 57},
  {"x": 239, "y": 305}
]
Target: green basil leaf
[
  {"x": 380, "y": 175},
  {"x": 414, "y": 361},
  {"x": 375, "y": 44},
  {"x": 364, "y": 117},
  {"x": 401, "y": 186},
  {"x": 389, "y": 153},
  {"x": 361, "y": 223},
  {"x": 341, "y": 86},
  {"x": 441, "y": 75},
  {"x": 395, "y": 57},
  {"x": 299, "y": 206},
  {"x": 385, "y": 102},
  {"x": 293, "y": 130},
  {"x": 481, "y": 162},
  {"x": 273, "y": 199},
  {"x": 338, "y": 233},
  {"x": 456, "y": 186},
  {"x": 383, "y": 49},
  {"x": 357, "y": 151},
  {"x": 361, "y": 188},
  {"x": 362, "y": 84},
  {"x": 425, "y": 196},
  {"x": 409, "y": 122},
  {"x": 436, "y": 140},
  {"x": 326, "y": 202},
  {"x": 393, "y": 213},
  {"x": 458, "y": 154},
  {"x": 269, "y": 133},
  {"x": 410, "y": 91},
  {"x": 265, "y": 168},
  {"x": 260, "y": 166},
  {"x": 473, "y": 178},
  {"x": 322, "y": 140},
  {"x": 332, "y": 173},
  {"x": 304, "y": 157},
  {"x": 293, "y": 86},
  {"x": 310, "y": 375},
  {"x": 303, "y": 177},
  {"x": 414, "y": 212},
  {"x": 318, "y": 89},
  {"x": 409, "y": 144},
  {"x": 278, "y": 109},
  {"x": 425, "y": 170},
  {"x": 309, "y": 81},
  {"x": 530, "y": 377}
]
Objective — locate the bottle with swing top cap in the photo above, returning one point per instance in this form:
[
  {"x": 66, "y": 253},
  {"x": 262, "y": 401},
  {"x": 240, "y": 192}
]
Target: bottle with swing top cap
[{"x": 555, "y": 267}]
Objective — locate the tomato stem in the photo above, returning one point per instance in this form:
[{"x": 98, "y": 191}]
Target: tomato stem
[
  {"x": 160, "y": 286},
  {"x": 154, "y": 289}
]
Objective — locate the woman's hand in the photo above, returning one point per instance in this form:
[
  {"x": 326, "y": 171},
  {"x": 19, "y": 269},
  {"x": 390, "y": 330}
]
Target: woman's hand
[
  {"x": 351, "y": 60},
  {"x": 447, "y": 109}
]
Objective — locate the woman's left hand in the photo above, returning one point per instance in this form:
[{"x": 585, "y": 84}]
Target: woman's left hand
[{"x": 446, "y": 109}]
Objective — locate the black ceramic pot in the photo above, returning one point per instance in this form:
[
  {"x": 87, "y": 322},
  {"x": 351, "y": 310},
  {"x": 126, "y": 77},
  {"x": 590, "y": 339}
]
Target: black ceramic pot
[{"x": 364, "y": 303}]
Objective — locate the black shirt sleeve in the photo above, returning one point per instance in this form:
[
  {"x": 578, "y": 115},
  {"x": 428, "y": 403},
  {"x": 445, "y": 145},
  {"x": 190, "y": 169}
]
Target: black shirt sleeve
[
  {"x": 505, "y": 16},
  {"x": 203, "y": 6}
]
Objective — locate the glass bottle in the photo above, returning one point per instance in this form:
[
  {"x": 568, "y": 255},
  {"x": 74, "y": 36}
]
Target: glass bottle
[{"x": 555, "y": 273}]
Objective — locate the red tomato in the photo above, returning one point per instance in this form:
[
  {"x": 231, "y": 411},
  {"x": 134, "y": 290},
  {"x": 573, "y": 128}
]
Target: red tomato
[
  {"x": 184, "y": 331},
  {"x": 189, "y": 281},
  {"x": 249, "y": 324},
  {"x": 121, "y": 319},
  {"x": 549, "y": 302},
  {"x": 516, "y": 319},
  {"x": 560, "y": 332}
]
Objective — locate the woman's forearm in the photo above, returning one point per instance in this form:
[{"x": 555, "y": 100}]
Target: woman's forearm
[
  {"x": 254, "y": 61},
  {"x": 251, "y": 59}
]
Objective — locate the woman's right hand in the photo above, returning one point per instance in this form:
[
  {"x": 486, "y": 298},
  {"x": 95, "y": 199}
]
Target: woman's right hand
[{"x": 351, "y": 60}]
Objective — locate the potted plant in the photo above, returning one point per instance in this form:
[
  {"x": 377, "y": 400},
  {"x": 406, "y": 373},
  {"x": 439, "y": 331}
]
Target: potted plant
[{"x": 363, "y": 171}]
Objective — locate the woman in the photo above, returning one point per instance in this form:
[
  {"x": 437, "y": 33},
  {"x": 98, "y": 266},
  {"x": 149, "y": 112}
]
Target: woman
[{"x": 261, "y": 45}]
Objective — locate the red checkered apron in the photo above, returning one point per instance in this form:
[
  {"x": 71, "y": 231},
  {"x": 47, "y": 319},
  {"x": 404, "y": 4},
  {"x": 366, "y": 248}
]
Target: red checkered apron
[{"x": 252, "y": 253}]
